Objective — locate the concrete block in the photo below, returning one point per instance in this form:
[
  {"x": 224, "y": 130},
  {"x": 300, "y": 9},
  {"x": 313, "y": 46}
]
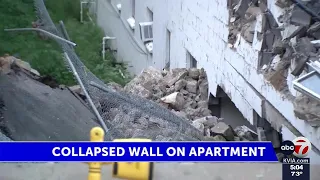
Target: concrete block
[{"x": 299, "y": 17}]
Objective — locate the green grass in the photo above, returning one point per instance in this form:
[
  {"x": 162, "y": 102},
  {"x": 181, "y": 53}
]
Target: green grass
[{"x": 46, "y": 55}]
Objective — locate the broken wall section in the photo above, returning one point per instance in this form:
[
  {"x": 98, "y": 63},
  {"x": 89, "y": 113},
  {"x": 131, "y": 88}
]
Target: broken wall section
[{"x": 285, "y": 44}]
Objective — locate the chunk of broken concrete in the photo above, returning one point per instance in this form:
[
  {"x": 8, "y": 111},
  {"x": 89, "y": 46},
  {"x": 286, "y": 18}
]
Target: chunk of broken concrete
[
  {"x": 246, "y": 133},
  {"x": 241, "y": 8},
  {"x": 175, "y": 75},
  {"x": 202, "y": 120},
  {"x": 307, "y": 109},
  {"x": 299, "y": 17},
  {"x": 141, "y": 91},
  {"x": 194, "y": 73},
  {"x": 180, "y": 114},
  {"x": 279, "y": 47},
  {"x": 314, "y": 30},
  {"x": 180, "y": 84},
  {"x": 204, "y": 90},
  {"x": 211, "y": 121},
  {"x": 298, "y": 32},
  {"x": 299, "y": 62},
  {"x": 283, "y": 3},
  {"x": 192, "y": 86},
  {"x": 304, "y": 46},
  {"x": 198, "y": 125},
  {"x": 223, "y": 129},
  {"x": 247, "y": 31},
  {"x": 203, "y": 104},
  {"x": 175, "y": 99},
  {"x": 5, "y": 65}
]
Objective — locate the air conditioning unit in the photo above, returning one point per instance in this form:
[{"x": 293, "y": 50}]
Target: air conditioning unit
[
  {"x": 149, "y": 47},
  {"x": 132, "y": 22},
  {"x": 146, "y": 31}
]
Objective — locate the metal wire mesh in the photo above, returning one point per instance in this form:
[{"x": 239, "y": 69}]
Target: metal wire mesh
[{"x": 127, "y": 115}]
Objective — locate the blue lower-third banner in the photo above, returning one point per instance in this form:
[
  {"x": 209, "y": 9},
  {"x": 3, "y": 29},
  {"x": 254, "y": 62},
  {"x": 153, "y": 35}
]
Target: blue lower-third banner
[{"x": 137, "y": 152}]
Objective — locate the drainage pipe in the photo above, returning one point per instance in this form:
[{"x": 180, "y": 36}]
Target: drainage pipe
[
  {"x": 104, "y": 39},
  {"x": 43, "y": 31}
]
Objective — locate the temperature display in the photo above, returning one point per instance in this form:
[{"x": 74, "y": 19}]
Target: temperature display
[{"x": 296, "y": 168}]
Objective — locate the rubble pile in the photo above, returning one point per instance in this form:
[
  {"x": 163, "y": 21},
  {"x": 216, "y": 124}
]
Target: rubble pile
[
  {"x": 285, "y": 43},
  {"x": 185, "y": 93}
]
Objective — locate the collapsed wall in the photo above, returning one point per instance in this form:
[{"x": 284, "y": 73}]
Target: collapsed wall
[{"x": 285, "y": 44}]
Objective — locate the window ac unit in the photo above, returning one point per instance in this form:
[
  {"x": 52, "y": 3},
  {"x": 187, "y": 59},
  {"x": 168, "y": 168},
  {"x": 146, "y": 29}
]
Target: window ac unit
[
  {"x": 149, "y": 47},
  {"x": 132, "y": 22},
  {"x": 146, "y": 31}
]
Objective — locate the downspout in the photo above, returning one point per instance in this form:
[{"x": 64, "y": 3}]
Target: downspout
[{"x": 104, "y": 39}]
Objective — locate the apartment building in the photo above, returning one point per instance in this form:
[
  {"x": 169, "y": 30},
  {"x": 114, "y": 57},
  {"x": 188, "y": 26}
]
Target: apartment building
[{"x": 194, "y": 33}]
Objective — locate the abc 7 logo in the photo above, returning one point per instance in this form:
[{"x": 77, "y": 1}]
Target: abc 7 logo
[{"x": 299, "y": 147}]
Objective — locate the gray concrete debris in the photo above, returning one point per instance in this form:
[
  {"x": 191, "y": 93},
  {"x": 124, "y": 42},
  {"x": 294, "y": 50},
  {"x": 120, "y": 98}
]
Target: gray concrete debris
[
  {"x": 298, "y": 31},
  {"x": 304, "y": 46},
  {"x": 246, "y": 133},
  {"x": 194, "y": 73},
  {"x": 198, "y": 125},
  {"x": 299, "y": 17},
  {"x": 279, "y": 47},
  {"x": 307, "y": 109},
  {"x": 299, "y": 64},
  {"x": 192, "y": 86},
  {"x": 241, "y": 8},
  {"x": 283, "y": 3},
  {"x": 187, "y": 98},
  {"x": 314, "y": 30},
  {"x": 180, "y": 84},
  {"x": 175, "y": 88},
  {"x": 290, "y": 45},
  {"x": 224, "y": 130}
]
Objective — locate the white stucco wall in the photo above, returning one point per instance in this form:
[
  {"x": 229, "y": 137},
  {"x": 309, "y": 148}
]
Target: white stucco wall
[
  {"x": 200, "y": 27},
  {"x": 128, "y": 43}
]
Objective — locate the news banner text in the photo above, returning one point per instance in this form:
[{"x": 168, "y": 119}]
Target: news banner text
[{"x": 158, "y": 152}]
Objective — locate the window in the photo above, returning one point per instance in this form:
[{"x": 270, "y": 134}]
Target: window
[
  {"x": 168, "y": 49},
  {"x": 191, "y": 61},
  {"x": 133, "y": 6},
  {"x": 150, "y": 14},
  {"x": 308, "y": 83}
]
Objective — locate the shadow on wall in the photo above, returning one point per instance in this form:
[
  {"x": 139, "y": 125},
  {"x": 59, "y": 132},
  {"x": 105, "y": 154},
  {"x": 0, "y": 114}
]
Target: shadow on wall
[{"x": 221, "y": 106}]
